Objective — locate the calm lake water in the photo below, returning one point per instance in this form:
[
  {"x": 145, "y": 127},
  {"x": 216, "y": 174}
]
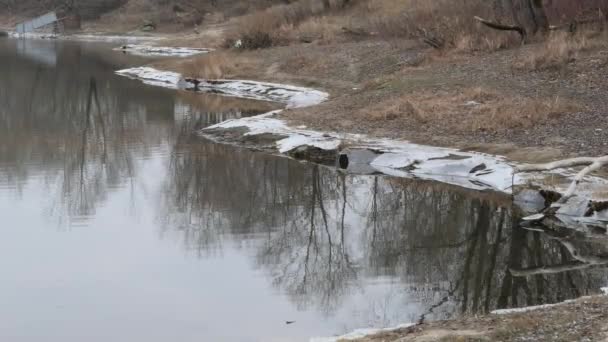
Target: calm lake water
[{"x": 118, "y": 223}]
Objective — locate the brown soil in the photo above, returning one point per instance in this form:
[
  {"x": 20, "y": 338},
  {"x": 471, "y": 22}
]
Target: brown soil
[{"x": 582, "y": 320}]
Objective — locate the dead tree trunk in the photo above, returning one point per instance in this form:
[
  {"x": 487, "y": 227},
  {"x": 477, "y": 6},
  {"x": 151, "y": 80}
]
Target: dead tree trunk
[{"x": 530, "y": 14}]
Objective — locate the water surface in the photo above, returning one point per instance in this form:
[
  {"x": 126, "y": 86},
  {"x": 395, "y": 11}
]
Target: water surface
[{"x": 118, "y": 223}]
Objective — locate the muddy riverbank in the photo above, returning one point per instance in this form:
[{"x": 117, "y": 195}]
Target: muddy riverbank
[{"x": 579, "y": 320}]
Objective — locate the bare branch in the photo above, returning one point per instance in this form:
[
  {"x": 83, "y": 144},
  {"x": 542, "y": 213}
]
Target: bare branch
[{"x": 592, "y": 164}]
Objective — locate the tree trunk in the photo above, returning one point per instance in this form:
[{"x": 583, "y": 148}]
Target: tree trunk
[{"x": 527, "y": 14}]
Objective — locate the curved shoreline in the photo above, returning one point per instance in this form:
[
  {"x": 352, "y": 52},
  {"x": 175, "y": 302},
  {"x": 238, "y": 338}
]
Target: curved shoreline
[{"x": 365, "y": 155}]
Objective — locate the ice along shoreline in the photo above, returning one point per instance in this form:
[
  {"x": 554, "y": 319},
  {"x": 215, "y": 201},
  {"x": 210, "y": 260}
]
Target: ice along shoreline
[{"x": 359, "y": 153}]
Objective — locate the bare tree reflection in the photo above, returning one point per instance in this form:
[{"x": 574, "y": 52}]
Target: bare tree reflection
[
  {"x": 72, "y": 123},
  {"x": 322, "y": 236}
]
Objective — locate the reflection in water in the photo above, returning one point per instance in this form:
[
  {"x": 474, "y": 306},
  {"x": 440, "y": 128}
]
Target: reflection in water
[
  {"x": 273, "y": 239},
  {"x": 323, "y": 236}
]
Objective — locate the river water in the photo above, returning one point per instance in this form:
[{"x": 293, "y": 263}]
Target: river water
[{"x": 118, "y": 223}]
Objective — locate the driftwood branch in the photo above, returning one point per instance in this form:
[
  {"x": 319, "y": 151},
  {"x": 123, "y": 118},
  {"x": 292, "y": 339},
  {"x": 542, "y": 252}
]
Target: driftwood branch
[
  {"x": 591, "y": 165},
  {"x": 503, "y": 27}
]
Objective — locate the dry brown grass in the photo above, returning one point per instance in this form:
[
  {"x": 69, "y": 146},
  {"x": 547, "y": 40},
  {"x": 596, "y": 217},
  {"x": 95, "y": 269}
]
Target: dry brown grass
[
  {"x": 213, "y": 65},
  {"x": 560, "y": 49},
  {"x": 469, "y": 110},
  {"x": 276, "y": 25},
  {"x": 557, "y": 51},
  {"x": 447, "y": 21},
  {"x": 210, "y": 66}
]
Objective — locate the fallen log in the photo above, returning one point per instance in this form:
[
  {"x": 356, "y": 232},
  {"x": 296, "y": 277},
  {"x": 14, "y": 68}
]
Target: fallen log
[{"x": 503, "y": 27}]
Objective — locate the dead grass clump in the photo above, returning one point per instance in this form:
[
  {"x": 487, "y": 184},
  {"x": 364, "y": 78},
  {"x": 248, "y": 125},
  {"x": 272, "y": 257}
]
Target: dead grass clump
[
  {"x": 399, "y": 108},
  {"x": 520, "y": 112},
  {"x": 273, "y": 25},
  {"x": 209, "y": 66},
  {"x": 213, "y": 65},
  {"x": 556, "y": 52},
  {"x": 323, "y": 30},
  {"x": 475, "y": 109}
]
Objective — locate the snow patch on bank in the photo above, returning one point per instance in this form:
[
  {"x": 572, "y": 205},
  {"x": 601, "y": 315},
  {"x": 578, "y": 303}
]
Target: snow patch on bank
[
  {"x": 530, "y": 308},
  {"x": 151, "y": 76},
  {"x": 293, "y": 97},
  {"x": 161, "y": 51},
  {"x": 359, "y": 333},
  {"x": 398, "y": 158},
  {"x": 32, "y": 35}
]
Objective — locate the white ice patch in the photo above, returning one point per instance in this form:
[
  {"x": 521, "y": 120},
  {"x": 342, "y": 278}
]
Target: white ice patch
[
  {"x": 470, "y": 170},
  {"x": 110, "y": 39},
  {"x": 529, "y": 308},
  {"x": 83, "y": 37},
  {"x": 160, "y": 51},
  {"x": 295, "y": 141},
  {"x": 151, "y": 76},
  {"x": 33, "y": 35},
  {"x": 397, "y": 158},
  {"x": 292, "y": 96},
  {"x": 359, "y": 333},
  {"x": 265, "y": 124}
]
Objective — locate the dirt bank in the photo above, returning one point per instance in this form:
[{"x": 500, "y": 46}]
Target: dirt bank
[{"x": 403, "y": 90}]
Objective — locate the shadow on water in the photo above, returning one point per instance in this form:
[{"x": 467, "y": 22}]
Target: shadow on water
[{"x": 354, "y": 250}]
